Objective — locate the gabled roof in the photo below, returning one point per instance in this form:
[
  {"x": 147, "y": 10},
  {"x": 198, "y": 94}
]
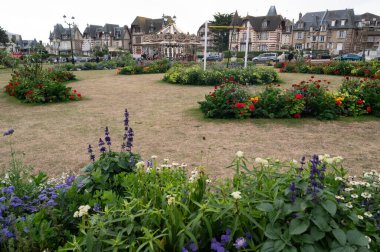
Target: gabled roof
[
  {"x": 236, "y": 20},
  {"x": 316, "y": 19},
  {"x": 146, "y": 24},
  {"x": 272, "y": 22},
  {"x": 58, "y": 31},
  {"x": 367, "y": 17},
  {"x": 91, "y": 30}
]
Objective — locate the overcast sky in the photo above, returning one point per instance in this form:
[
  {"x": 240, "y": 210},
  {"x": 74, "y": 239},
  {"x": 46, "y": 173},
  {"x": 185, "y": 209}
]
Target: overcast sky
[{"x": 36, "y": 18}]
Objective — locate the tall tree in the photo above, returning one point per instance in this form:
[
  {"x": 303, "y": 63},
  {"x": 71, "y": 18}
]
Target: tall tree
[
  {"x": 222, "y": 34},
  {"x": 3, "y": 37}
]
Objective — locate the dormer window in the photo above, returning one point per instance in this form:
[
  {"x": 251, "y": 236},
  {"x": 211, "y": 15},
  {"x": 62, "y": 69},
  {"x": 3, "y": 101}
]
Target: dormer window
[
  {"x": 323, "y": 28},
  {"x": 300, "y": 25},
  {"x": 311, "y": 29},
  {"x": 343, "y": 22},
  {"x": 333, "y": 23},
  {"x": 264, "y": 24}
]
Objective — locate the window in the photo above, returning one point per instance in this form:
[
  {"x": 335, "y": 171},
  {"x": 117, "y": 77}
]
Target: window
[
  {"x": 299, "y": 35},
  {"x": 263, "y": 35},
  {"x": 314, "y": 38},
  {"x": 322, "y": 38},
  {"x": 117, "y": 34},
  {"x": 298, "y": 46},
  {"x": 263, "y": 47},
  {"x": 333, "y": 23},
  {"x": 287, "y": 28},
  {"x": 264, "y": 24},
  {"x": 329, "y": 45},
  {"x": 138, "y": 40},
  {"x": 323, "y": 28},
  {"x": 300, "y": 25},
  {"x": 244, "y": 37},
  {"x": 311, "y": 29},
  {"x": 343, "y": 22},
  {"x": 242, "y": 47},
  {"x": 341, "y": 34}
]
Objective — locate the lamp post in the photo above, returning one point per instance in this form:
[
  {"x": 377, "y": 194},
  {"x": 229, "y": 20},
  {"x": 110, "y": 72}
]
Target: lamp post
[{"x": 71, "y": 37}]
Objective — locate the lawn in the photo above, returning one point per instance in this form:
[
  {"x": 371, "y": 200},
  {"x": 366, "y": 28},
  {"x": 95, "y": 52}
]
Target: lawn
[{"x": 167, "y": 123}]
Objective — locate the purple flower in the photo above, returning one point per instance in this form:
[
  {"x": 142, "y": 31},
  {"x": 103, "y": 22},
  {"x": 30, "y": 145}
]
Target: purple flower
[
  {"x": 90, "y": 152},
  {"x": 43, "y": 197},
  {"x": 7, "y": 233},
  {"x": 107, "y": 137},
  {"x": 2, "y": 199},
  {"x": 102, "y": 149},
  {"x": 185, "y": 250},
  {"x": 70, "y": 180},
  {"x": 292, "y": 190},
  {"x": 240, "y": 243},
  {"x": 96, "y": 207},
  {"x": 149, "y": 163},
  {"x": 16, "y": 201},
  {"x": 8, "y": 190},
  {"x": 225, "y": 239},
  {"x": 193, "y": 247},
  {"x": 129, "y": 143},
  {"x": 51, "y": 203},
  {"x": 8, "y": 132},
  {"x": 248, "y": 236}
]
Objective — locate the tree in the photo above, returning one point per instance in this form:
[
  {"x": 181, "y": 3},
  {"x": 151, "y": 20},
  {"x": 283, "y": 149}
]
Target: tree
[
  {"x": 221, "y": 35},
  {"x": 3, "y": 37}
]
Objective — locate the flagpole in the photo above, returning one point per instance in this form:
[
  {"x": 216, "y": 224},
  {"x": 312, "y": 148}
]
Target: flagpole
[
  {"x": 205, "y": 49},
  {"x": 246, "y": 46}
]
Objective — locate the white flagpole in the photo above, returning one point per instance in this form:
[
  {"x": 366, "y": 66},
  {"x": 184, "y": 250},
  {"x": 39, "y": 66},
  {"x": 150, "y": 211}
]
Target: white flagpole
[
  {"x": 205, "y": 49},
  {"x": 246, "y": 46}
]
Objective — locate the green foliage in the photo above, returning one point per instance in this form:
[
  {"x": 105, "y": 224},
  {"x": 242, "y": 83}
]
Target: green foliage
[
  {"x": 194, "y": 75},
  {"x": 157, "y": 66},
  {"x": 3, "y": 37},
  {"x": 227, "y": 101},
  {"x": 32, "y": 84},
  {"x": 307, "y": 99}
]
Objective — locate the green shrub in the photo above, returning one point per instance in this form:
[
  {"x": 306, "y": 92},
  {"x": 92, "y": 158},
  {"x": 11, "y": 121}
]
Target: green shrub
[
  {"x": 227, "y": 101},
  {"x": 196, "y": 76}
]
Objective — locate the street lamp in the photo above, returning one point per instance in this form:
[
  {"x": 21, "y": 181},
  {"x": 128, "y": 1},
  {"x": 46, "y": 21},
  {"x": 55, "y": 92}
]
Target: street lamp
[{"x": 71, "y": 37}]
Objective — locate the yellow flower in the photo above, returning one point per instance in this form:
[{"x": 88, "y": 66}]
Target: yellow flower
[
  {"x": 339, "y": 99},
  {"x": 255, "y": 99}
]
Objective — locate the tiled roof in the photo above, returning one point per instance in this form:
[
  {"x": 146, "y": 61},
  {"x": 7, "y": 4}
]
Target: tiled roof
[
  {"x": 272, "y": 22},
  {"x": 146, "y": 24}
]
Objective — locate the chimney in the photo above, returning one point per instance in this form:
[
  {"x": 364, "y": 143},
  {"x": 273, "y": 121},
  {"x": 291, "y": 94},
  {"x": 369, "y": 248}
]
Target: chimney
[{"x": 300, "y": 16}]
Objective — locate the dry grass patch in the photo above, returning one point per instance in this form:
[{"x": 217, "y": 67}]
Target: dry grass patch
[{"x": 167, "y": 123}]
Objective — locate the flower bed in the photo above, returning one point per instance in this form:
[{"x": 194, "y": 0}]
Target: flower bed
[
  {"x": 157, "y": 66},
  {"x": 123, "y": 203},
  {"x": 311, "y": 99},
  {"x": 360, "y": 69},
  {"x": 32, "y": 84},
  {"x": 195, "y": 75}
]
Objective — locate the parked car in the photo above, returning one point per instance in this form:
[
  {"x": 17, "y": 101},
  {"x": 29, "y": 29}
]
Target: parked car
[
  {"x": 265, "y": 57},
  {"x": 213, "y": 58},
  {"x": 349, "y": 57},
  {"x": 325, "y": 56}
]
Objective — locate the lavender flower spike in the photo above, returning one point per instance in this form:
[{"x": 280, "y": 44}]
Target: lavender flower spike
[
  {"x": 90, "y": 152},
  {"x": 102, "y": 149},
  {"x": 107, "y": 137},
  {"x": 129, "y": 143},
  {"x": 8, "y": 132}
]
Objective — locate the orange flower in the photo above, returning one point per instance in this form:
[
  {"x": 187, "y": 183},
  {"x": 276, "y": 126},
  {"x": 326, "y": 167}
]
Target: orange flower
[{"x": 255, "y": 99}]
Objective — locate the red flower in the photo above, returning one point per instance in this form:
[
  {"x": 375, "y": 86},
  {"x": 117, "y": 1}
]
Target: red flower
[
  {"x": 79, "y": 95},
  {"x": 298, "y": 96},
  {"x": 312, "y": 76},
  {"x": 296, "y": 115},
  {"x": 232, "y": 90},
  {"x": 72, "y": 97},
  {"x": 228, "y": 101},
  {"x": 13, "y": 94},
  {"x": 251, "y": 107},
  {"x": 366, "y": 72},
  {"x": 74, "y": 90},
  {"x": 369, "y": 109},
  {"x": 360, "y": 102},
  {"x": 338, "y": 103},
  {"x": 318, "y": 86},
  {"x": 216, "y": 87}
]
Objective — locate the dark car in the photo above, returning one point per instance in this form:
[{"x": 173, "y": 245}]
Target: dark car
[
  {"x": 349, "y": 57},
  {"x": 213, "y": 58},
  {"x": 325, "y": 56}
]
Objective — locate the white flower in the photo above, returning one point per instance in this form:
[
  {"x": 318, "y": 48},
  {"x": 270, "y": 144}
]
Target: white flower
[
  {"x": 236, "y": 195},
  {"x": 239, "y": 154},
  {"x": 208, "y": 181},
  {"x": 153, "y": 157},
  {"x": 140, "y": 165},
  {"x": 294, "y": 161},
  {"x": 183, "y": 165},
  {"x": 175, "y": 164},
  {"x": 338, "y": 159},
  {"x": 166, "y": 160},
  {"x": 349, "y": 205},
  {"x": 348, "y": 189},
  {"x": 148, "y": 169},
  {"x": 368, "y": 214},
  {"x": 354, "y": 196},
  {"x": 171, "y": 199},
  {"x": 369, "y": 239},
  {"x": 366, "y": 195},
  {"x": 261, "y": 161},
  {"x": 360, "y": 217},
  {"x": 338, "y": 179},
  {"x": 329, "y": 160},
  {"x": 83, "y": 210},
  {"x": 339, "y": 197}
]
